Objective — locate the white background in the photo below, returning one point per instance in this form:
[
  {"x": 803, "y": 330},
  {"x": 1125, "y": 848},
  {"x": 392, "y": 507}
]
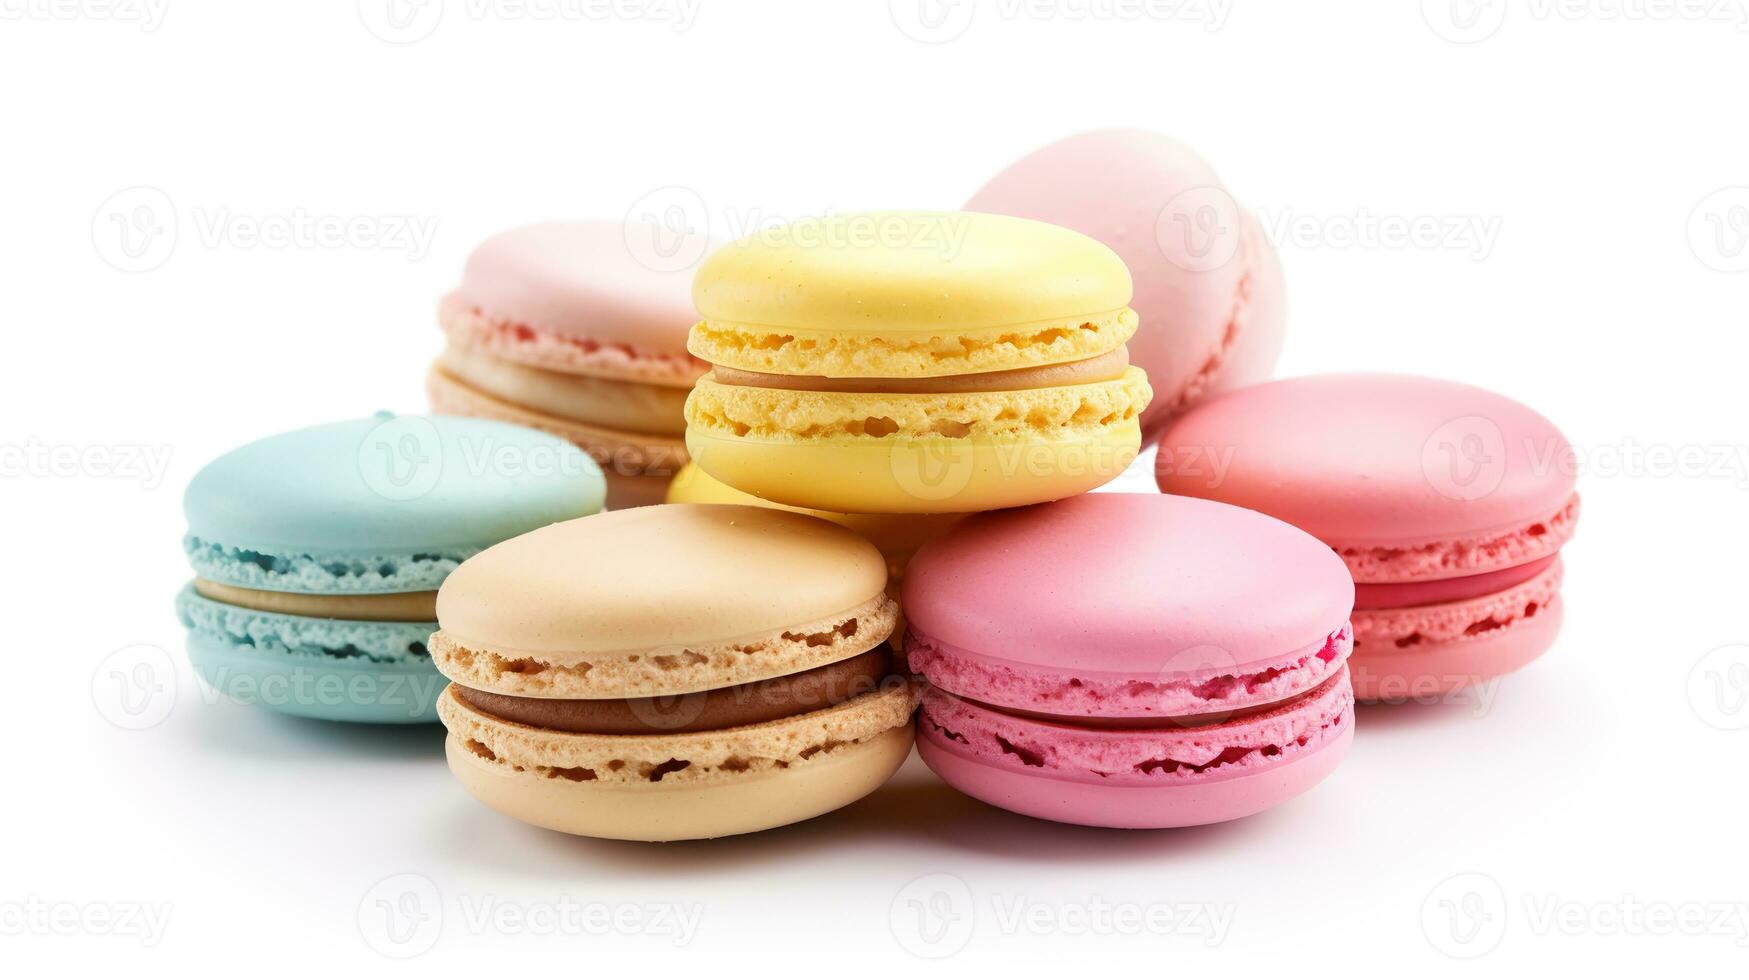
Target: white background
[{"x": 1604, "y": 145}]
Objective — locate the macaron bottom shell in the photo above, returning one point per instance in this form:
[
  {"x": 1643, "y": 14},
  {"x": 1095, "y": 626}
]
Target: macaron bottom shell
[
  {"x": 917, "y": 475},
  {"x": 1132, "y": 807},
  {"x": 740, "y": 791},
  {"x": 1056, "y": 771},
  {"x": 325, "y": 688},
  {"x": 1390, "y": 671}
]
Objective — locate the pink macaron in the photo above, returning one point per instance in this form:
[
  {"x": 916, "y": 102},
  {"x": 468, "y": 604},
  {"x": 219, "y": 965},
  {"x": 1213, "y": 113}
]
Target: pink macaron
[
  {"x": 1208, "y": 284},
  {"x": 1448, "y": 503},
  {"x": 1131, "y": 660},
  {"x": 579, "y": 328}
]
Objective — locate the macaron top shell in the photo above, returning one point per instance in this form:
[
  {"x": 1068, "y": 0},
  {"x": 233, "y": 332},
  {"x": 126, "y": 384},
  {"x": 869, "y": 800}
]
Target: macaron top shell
[
  {"x": 1132, "y": 585},
  {"x": 1374, "y": 460},
  {"x": 1202, "y": 287},
  {"x": 659, "y": 578},
  {"x": 604, "y": 282},
  {"x": 378, "y": 505},
  {"x": 918, "y": 281}
]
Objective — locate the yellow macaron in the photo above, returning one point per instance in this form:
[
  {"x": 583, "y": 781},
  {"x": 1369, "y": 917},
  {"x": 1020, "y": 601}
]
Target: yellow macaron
[{"x": 914, "y": 362}]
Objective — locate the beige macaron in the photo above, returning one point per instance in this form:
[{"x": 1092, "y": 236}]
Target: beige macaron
[{"x": 672, "y": 672}]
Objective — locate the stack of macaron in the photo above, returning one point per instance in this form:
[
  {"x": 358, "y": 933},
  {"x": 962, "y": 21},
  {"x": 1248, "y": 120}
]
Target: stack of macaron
[
  {"x": 885, "y": 410},
  {"x": 672, "y": 672},
  {"x": 318, "y": 554},
  {"x": 914, "y": 363},
  {"x": 1131, "y": 660},
  {"x": 1449, "y": 504},
  {"x": 578, "y": 328}
]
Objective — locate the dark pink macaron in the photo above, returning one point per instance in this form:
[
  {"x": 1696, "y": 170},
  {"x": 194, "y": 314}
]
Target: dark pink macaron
[{"x": 1448, "y": 503}]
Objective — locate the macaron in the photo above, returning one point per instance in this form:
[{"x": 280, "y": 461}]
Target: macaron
[
  {"x": 1208, "y": 284},
  {"x": 318, "y": 554},
  {"x": 1449, "y": 504},
  {"x": 672, "y": 672},
  {"x": 1131, "y": 660},
  {"x": 578, "y": 328},
  {"x": 914, "y": 362}
]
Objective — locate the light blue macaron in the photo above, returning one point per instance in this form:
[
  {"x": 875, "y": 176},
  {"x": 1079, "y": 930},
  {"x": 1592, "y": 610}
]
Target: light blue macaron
[{"x": 369, "y": 507}]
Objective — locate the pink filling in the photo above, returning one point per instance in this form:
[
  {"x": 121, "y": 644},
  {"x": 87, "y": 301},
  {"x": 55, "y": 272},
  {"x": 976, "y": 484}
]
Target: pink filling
[
  {"x": 1396, "y": 595},
  {"x": 1139, "y": 756},
  {"x": 469, "y": 326},
  {"x": 1134, "y": 699}
]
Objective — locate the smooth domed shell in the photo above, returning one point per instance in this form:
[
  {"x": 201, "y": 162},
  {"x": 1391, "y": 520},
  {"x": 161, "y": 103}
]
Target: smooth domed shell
[
  {"x": 659, "y": 577},
  {"x": 1127, "y": 585},
  {"x": 1373, "y": 460},
  {"x": 390, "y": 485}
]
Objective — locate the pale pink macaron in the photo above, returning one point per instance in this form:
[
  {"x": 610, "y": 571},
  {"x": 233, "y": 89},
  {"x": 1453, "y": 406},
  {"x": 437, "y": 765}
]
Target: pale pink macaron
[
  {"x": 1131, "y": 660},
  {"x": 579, "y": 328},
  {"x": 1208, "y": 284},
  {"x": 1448, "y": 503}
]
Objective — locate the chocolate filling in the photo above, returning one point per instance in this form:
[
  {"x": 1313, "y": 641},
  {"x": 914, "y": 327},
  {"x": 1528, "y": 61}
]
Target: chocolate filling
[{"x": 700, "y": 711}]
